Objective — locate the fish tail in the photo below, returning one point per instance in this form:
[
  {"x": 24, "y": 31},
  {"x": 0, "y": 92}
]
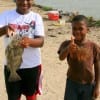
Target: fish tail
[{"x": 14, "y": 77}]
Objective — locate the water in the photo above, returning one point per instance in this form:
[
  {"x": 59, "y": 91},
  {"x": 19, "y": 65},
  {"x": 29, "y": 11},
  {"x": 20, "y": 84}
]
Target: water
[{"x": 86, "y": 7}]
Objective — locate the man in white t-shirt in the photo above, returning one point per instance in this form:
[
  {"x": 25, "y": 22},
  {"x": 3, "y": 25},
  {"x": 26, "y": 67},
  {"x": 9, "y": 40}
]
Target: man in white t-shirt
[{"x": 29, "y": 25}]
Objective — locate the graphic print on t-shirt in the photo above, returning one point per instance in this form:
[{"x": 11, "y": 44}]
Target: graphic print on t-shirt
[{"x": 27, "y": 29}]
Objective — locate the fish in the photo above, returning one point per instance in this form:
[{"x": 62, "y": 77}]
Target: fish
[{"x": 13, "y": 54}]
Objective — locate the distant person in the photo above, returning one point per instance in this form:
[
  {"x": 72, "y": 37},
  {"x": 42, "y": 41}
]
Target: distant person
[
  {"x": 29, "y": 25},
  {"x": 83, "y": 57}
]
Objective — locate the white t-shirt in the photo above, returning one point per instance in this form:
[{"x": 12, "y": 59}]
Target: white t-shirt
[{"x": 30, "y": 25}]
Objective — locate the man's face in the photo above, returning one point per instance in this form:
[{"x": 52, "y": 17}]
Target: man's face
[
  {"x": 23, "y": 6},
  {"x": 79, "y": 30}
]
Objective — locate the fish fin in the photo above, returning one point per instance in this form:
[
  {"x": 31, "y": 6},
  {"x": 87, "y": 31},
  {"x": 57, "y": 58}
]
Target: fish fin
[{"x": 14, "y": 77}]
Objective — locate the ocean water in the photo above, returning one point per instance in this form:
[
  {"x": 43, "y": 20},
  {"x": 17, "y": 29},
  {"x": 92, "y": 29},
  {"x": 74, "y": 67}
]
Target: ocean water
[{"x": 86, "y": 7}]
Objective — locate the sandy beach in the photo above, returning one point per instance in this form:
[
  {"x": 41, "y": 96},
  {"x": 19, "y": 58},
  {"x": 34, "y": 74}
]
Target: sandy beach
[{"x": 54, "y": 70}]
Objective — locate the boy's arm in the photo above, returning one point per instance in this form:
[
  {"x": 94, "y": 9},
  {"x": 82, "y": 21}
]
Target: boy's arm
[
  {"x": 3, "y": 31},
  {"x": 97, "y": 65},
  {"x": 97, "y": 73},
  {"x": 67, "y": 47},
  {"x": 38, "y": 41},
  {"x": 96, "y": 91},
  {"x": 63, "y": 50},
  {"x": 7, "y": 30}
]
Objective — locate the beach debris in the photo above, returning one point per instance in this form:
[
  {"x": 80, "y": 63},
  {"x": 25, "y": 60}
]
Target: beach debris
[
  {"x": 62, "y": 22},
  {"x": 53, "y": 15},
  {"x": 13, "y": 54},
  {"x": 52, "y": 35},
  {"x": 50, "y": 29},
  {"x": 45, "y": 8},
  {"x": 59, "y": 32},
  {"x": 93, "y": 23}
]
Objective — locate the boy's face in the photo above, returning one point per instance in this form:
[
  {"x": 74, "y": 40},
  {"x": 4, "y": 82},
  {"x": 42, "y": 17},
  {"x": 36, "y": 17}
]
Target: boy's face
[
  {"x": 79, "y": 30},
  {"x": 23, "y": 6}
]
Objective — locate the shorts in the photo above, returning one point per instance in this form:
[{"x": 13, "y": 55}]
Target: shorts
[
  {"x": 77, "y": 91},
  {"x": 28, "y": 85}
]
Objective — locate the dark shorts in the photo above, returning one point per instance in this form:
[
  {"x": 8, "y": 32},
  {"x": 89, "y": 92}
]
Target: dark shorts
[
  {"x": 76, "y": 91},
  {"x": 28, "y": 85}
]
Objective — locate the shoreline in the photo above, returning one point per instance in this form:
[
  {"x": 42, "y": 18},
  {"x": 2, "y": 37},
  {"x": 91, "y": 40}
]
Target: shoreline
[
  {"x": 92, "y": 21},
  {"x": 71, "y": 6}
]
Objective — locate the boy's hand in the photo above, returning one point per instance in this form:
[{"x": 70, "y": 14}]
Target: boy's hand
[
  {"x": 24, "y": 42},
  {"x": 10, "y": 30},
  {"x": 72, "y": 47},
  {"x": 96, "y": 93}
]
